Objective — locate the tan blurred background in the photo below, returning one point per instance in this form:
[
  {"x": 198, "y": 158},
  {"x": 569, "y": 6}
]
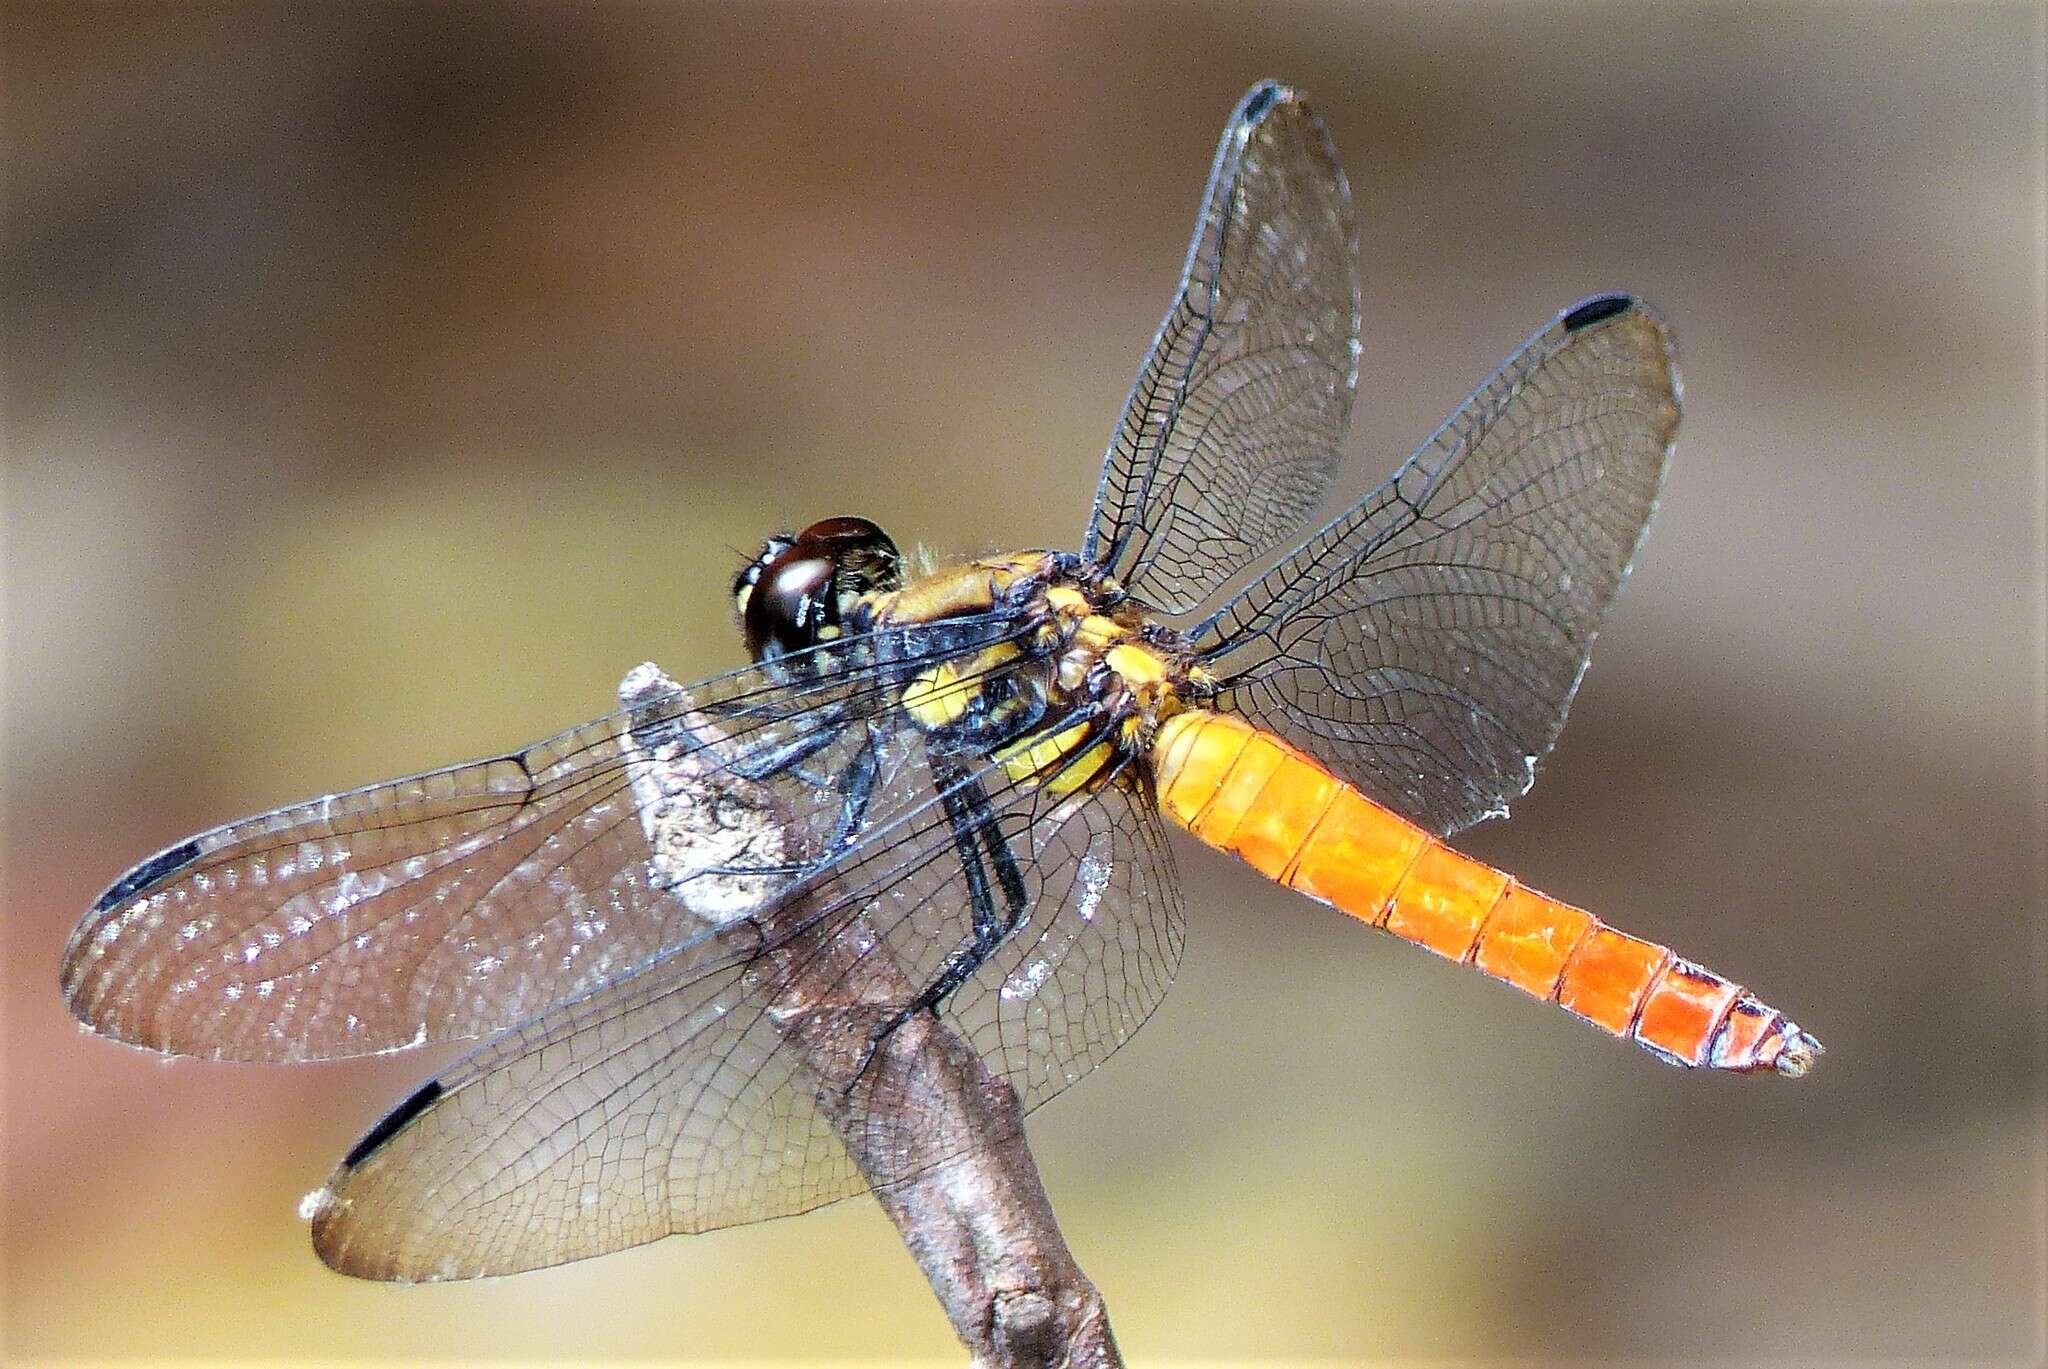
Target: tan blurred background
[{"x": 383, "y": 383}]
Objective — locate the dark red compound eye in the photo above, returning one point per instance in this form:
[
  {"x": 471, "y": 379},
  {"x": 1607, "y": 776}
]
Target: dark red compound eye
[
  {"x": 791, "y": 600},
  {"x": 866, "y": 558},
  {"x": 842, "y": 532}
]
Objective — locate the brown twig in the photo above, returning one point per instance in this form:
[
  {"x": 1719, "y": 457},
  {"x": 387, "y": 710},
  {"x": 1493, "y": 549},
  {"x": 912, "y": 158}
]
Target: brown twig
[{"x": 938, "y": 1136}]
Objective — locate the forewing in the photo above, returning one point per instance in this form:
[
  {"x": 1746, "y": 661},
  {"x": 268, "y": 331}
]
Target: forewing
[
  {"x": 689, "y": 1095},
  {"x": 1231, "y": 432},
  {"x": 447, "y": 905},
  {"x": 1427, "y": 643}
]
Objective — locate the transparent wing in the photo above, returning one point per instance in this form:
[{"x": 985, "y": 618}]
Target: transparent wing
[
  {"x": 1095, "y": 953},
  {"x": 690, "y": 1095},
  {"x": 1232, "y": 430},
  {"x": 453, "y": 903},
  {"x": 1427, "y": 643}
]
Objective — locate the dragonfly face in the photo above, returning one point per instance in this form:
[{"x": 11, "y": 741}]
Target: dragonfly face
[
  {"x": 964, "y": 779},
  {"x": 797, "y": 591}
]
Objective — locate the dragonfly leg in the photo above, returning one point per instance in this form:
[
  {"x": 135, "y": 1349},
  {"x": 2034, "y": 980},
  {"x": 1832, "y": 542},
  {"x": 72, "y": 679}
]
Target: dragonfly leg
[
  {"x": 760, "y": 765},
  {"x": 974, "y": 829},
  {"x": 973, "y": 823},
  {"x": 858, "y": 784},
  {"x": 860, "y": 789}
]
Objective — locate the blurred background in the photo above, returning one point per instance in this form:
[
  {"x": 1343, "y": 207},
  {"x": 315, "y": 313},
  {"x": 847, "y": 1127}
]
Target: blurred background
[{"x": 382, "y": 383}]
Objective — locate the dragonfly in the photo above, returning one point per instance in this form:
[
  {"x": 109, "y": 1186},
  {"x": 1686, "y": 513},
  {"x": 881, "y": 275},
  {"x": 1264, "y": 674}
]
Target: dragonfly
[{"x": 951, "y": 791}]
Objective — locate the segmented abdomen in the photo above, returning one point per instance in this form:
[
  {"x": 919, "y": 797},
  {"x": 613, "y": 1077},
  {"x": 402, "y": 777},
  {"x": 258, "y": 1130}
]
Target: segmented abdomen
[{"x": 1245, "y": 791}]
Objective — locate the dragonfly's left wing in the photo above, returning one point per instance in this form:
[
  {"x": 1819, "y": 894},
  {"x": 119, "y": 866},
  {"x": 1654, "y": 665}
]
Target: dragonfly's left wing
[
  {"x": 1231, "y": 433},
  {"x": 450, "y": 904},
  {"x": 1427, "y": 643},
  {"x": 680, "y": 1098}
]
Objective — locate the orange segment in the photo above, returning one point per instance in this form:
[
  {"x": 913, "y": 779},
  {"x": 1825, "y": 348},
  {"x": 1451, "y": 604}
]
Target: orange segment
[
  {"x": 1528, "y": 938},
  {"x": 1607, "y": 976},
  {"x": 1238, "y": 790},
  {"x": 1271, "y": 833},
  {"x": 1735, "y": 1045},
  {"x": 1443, "y": 900},
  {"x": 1356, "y": 856},
  {"x": 1255, "y": 796},
  {"x": 1681, "y": 1013},
  {"x": 1192, "y": 755}
]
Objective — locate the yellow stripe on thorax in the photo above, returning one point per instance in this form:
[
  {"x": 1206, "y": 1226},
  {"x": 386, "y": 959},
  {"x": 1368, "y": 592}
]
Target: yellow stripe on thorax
[
  {"x": 940, "y": 695},
  {"x": 1052, "y": 758}
]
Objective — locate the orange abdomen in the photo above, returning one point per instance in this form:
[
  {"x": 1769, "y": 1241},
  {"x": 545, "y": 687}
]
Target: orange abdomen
[{"x": 1245, "y": 791}]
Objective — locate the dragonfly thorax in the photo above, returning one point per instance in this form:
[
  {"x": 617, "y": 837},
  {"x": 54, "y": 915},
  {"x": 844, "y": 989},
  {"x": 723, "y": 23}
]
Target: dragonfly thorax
[{"x": 1076, "y": 681}]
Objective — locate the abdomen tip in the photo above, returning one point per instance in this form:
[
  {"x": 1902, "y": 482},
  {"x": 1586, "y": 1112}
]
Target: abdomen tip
[{"x": 1798, "y": 1054}]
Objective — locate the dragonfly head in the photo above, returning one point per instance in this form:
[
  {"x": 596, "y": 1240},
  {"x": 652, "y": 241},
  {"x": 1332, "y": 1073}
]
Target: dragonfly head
[{"x": 796, "y": 592}]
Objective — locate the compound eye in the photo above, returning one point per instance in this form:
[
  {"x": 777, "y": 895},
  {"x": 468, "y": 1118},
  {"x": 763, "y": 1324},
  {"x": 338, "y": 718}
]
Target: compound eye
[
  {"x": 866, "y": 558},
  {"x": 791, "y": 600},
  {"x": 843, "y": 531}
]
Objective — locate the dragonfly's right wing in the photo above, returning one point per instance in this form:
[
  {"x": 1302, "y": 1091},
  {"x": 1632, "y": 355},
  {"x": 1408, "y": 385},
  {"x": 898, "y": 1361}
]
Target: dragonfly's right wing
[
  {"x": 1427, "y": 643},
  {"x": 1231, "y": 433}
]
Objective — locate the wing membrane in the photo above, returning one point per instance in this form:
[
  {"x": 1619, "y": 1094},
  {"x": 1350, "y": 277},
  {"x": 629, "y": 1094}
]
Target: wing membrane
[
  {"x": 684, "y": 1097},
  {"x": 447, "y": 905},
  {"x": 1232, "y": 430},
  {"x": 1427, "y": 643}
]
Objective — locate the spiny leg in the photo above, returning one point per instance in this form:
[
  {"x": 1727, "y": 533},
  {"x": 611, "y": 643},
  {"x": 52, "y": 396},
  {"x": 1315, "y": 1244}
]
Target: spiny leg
[
  {"x": 857, "y": 786},
  {"x": 860, "y": 790},
  {"x": 760, "y": 765},
  {"x": 967, "y": 809},
  {"x": 974, "y": 826}
]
